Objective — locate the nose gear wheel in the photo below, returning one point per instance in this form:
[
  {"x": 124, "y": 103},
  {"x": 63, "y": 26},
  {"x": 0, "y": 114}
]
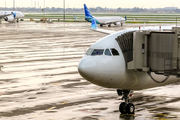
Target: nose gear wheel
[{"x": 126, "y": 107}]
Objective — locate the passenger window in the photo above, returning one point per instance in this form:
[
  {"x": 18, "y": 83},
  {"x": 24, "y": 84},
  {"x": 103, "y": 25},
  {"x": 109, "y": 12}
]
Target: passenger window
[
  {"x": 114, "y": 52},
  {"x": 89, "y": 51},
  {"x": 107, "y": 52},
  {"x": 97, "y": 52}
]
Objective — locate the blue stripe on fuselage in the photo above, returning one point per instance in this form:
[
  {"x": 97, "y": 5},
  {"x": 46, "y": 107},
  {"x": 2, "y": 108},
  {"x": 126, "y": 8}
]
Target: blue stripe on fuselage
[{"x": 90, "y": 20}]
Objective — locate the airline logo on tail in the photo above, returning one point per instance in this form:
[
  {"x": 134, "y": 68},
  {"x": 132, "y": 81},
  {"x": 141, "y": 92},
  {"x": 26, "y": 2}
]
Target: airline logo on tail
[
  {"x": 14, "y": 14},
  {"x": 88, "y": 15},
  {"x": 87, "y": 12}
]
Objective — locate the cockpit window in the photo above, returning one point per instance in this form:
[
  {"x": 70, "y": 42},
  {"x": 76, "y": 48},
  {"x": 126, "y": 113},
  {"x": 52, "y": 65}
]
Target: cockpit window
[
  {"x": 107, "y": 52},
  {"x": 114, "y": 52},
  {"x": 97, "y": 52},
  {"x": 89, "y": 51}
]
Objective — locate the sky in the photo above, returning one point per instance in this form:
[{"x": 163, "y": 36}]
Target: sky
[{"x": 93, "y": 3}]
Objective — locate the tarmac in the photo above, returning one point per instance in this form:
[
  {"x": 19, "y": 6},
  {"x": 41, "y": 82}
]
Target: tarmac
[{"x": 39, "y": 78}]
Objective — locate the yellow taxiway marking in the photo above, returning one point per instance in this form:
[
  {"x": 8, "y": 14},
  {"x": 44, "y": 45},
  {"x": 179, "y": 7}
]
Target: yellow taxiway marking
[
  {"x": 51, "y": 108},
  {"x": 155, "y": 108},
  {"x": 75, "y": 97},
  {"x": 64, "y": 102},
  {"x": 97, "y": 88},
  {"x": 56, "y": 83},
  {"x": 158, "y": 118}
]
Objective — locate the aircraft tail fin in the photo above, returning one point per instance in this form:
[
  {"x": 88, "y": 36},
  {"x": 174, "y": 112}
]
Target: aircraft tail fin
[
  {"x": 75, "y": 17},
  {"x": 125, "y": 18},
  {"x": 87, "y": 12},
  {"x": 93, "y": 24},
  {"x": 14, "y": 14}
]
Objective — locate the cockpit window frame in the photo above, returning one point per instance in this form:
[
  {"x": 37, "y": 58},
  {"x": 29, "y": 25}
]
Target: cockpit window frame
[
  {"x": 97, "y": 54},
  {"x": 109, "y": 52},
  {"x": 89, "y": 51},
  {"x": 112, "y": 52}
]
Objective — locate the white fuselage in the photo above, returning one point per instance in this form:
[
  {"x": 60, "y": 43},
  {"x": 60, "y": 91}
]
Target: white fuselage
[
  {"x": 10, "y": 16},
  {"x": 110, "y": 20},
  {"x": 111, "y": 72}
]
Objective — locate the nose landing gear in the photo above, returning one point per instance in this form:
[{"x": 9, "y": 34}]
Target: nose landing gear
[{"x": 126, "y": 107}]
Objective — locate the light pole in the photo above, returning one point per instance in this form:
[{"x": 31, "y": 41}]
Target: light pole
[
  {"x": 64, "y": 10},
  {"x": 13, "y": 5},
  {"x": 44, "y": 8}
]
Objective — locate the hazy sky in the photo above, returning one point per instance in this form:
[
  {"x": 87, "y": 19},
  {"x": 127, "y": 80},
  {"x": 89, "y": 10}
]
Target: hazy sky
[{"x": 94, "y": 3}]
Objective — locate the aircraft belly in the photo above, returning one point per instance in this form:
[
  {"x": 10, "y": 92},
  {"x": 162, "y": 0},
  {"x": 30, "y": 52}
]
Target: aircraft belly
[
  {"x": 102, "y": 21},
  {"x": 140, "y": 80}
]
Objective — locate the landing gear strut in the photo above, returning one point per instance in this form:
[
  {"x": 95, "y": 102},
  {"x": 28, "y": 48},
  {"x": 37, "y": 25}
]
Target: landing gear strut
[{"x": 126, "y": 107}]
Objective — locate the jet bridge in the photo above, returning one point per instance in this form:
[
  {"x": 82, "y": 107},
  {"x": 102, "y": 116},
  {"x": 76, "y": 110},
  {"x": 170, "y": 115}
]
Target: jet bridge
[{"x": 152, "y": 51}]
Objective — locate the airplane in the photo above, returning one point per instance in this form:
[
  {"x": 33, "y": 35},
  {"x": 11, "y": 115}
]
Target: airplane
[
  {"x": 11, "y": 16},
  {"x": 75, "y": 17},
  {"x": 104, "y": 64},
  {"x": 104, "y": 20}
]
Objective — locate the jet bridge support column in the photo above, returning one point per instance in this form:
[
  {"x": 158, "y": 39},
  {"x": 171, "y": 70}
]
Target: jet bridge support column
[
  {"x": 145, "y": 47},
  {"x": 145, "y": 51}
]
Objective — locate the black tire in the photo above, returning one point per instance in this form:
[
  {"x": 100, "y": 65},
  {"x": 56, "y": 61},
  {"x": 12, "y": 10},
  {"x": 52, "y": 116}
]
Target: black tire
[
  {"x": 130, "y": 108},
  {"x": 109, "y": 25},
  {"x": 101, "y": 25},
  {"x": 122, "y": 108}
]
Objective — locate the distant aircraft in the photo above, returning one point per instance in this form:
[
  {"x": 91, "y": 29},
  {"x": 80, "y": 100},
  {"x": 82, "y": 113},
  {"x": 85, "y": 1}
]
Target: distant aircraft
[
  {"x": 11, "y": 16},
  {"x": 103, "y": 20},
  {"x": 75, "y": 17},
  {"x": 110, "y": 62}
]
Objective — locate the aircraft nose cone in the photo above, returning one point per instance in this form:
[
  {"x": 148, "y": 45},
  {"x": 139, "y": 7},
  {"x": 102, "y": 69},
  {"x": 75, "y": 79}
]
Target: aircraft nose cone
[{"x": 88, "y": 69}]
